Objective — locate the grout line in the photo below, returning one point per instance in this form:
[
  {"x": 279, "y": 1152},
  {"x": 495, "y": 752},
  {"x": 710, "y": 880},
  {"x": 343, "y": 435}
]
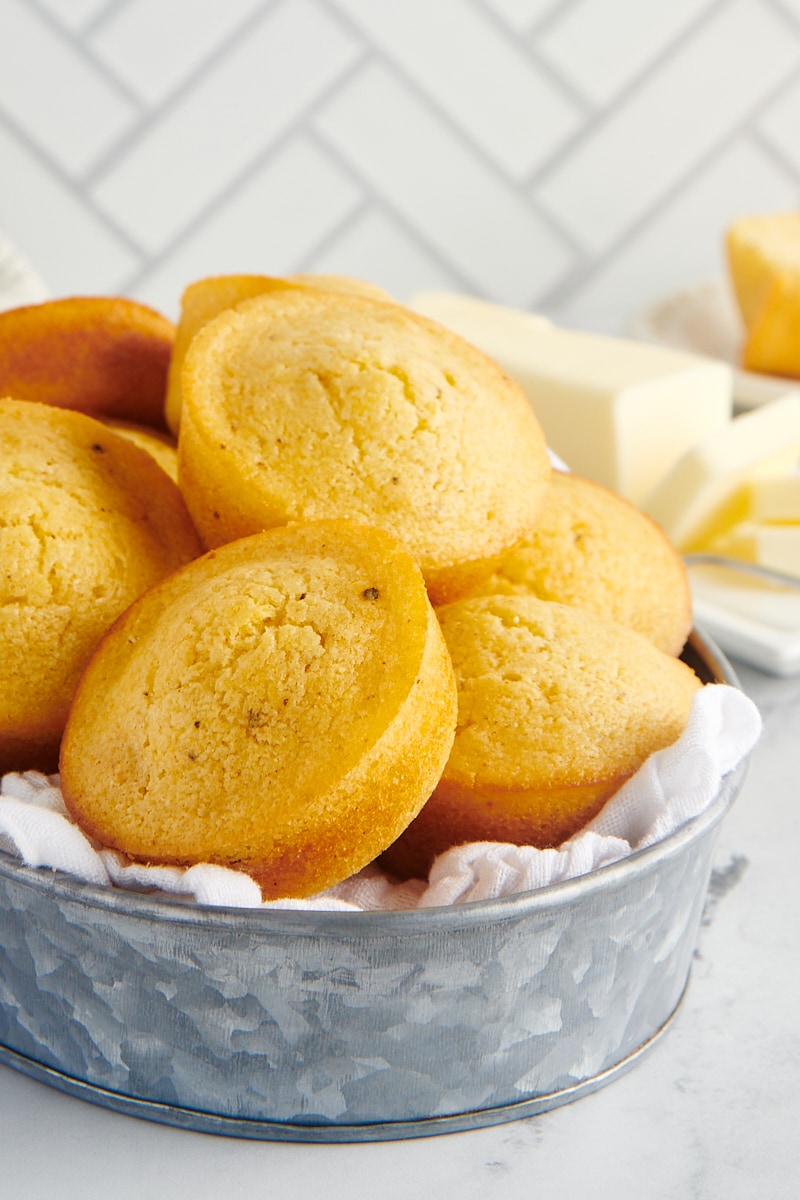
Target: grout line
[
  {"x": 79, "y": 47},
  {"x": 333, "y": 235},
  {"x": 554, "y": 15},
  {"x": 432, "y": 251},
  {"x": 171, "y": 100},
  {"x": 562, "y": 86},
  {"x": 54, "y": 169},
  {"x": 599, "y": 262},
  {"x": 784, "y": 14},
  {"x": 112, "y": 8},
  {"x": 517, "y": 186},
  {"x": 623, "y": 98},
  {"x": 770, "y": 150},
  {"x": 297, "y": 130}
]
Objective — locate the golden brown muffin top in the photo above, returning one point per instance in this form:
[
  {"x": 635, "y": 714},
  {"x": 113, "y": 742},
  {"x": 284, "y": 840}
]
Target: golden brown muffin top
[
  {"x": 595, "y": 550},
  {"x": 550, "y": 694},
  {"x": 317, "y": 405},
  {"x": 221, "y": 714},
  {"x": 101, "y": 355},
  {"x": 87, "y": 522},
  {"x": 208, "y": 297}
]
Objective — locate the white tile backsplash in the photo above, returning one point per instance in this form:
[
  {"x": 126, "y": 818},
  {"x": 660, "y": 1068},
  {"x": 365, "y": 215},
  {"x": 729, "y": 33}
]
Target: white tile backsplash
[
  {"x": 376, "y": 246},
  {"x": 521, "y": 15},
  {"x": 234, "y": 114},
  {"x": 410, "y": 158},
  {"x": 780, "y": 125},
  {"x": 480, "y": 78},
  {"x": 48, "y": 221},
  {"x": 152, "y": 63},
  {"x": 76, "y": 14},
  {"x": 577, "y": 156},
  {"x": 67, "y": 108},
  {"x": 683, "y": 244},
  {"x": 601, "y": 46},
  {"x": 267, "y": 227},
  {"x": 650, "y": 147}
]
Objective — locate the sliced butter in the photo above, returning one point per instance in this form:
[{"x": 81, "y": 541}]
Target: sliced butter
[
  {"x": 774, "y": 499},
  {"x": 707, "y": 491},
  {"x": 619, "y": 412},
  {"x": 773, "y": 546}
]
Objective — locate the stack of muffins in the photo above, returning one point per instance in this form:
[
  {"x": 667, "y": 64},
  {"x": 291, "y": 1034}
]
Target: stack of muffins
[{"x": 367, "y": 621}]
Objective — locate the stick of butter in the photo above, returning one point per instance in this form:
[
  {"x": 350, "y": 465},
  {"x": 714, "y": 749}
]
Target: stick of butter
[
  {"x": 774, "y": 499},
  {"x": 487, "y": 325},
  {"x": 773, "y": 546},
  {"x": 707, "y": 491},
  {"x": 619, "y": 412}
]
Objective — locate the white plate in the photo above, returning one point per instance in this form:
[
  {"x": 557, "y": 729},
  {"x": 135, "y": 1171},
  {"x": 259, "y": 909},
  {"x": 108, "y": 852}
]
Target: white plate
[
  {"x": 755, "y": 622},
  {"x": 704, "y": 320}
]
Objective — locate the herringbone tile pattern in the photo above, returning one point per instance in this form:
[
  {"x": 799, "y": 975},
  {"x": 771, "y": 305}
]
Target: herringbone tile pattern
[{"x": 578, "y": 156}]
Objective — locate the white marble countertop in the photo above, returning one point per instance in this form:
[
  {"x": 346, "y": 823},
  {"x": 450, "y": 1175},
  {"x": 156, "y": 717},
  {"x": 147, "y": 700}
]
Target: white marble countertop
[{"x": 713, "y": 1111}]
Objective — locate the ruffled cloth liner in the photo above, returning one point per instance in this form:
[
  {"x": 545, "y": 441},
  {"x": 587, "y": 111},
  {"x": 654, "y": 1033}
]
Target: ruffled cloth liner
[{"x": 672, "y": 786}]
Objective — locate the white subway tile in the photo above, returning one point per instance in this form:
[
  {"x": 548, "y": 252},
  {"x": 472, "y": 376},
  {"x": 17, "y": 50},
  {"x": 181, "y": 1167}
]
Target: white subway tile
[
  {"x": 55, "y": 95},
  {"x": 600, "y": 46},
  {"x": 377, "y": 248},
  {"x": 780, "y": 125},
  {"x": 446, "y": 194},
  {"x": 273, "y": 222},
  {"x": 492, "y": 91},
  {"x": 234, "y": 113},
  {"x": 69, "y": 246},
  {"x": 521, "y": 15},
  {"x": 683, "y": 245},
  {"x": 75, "y": 14},
  {"x": 689, "y": 104},
  {"x": 153, "y": 45}
]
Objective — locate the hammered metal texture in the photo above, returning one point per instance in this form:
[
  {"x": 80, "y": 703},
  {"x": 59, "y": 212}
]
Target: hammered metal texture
[{"x": 338, "y": 1018}]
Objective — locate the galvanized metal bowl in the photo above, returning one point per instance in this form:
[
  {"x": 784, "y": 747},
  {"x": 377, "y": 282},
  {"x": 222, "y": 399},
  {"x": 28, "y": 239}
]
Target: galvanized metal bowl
[{"x": 330, "y": 1026}]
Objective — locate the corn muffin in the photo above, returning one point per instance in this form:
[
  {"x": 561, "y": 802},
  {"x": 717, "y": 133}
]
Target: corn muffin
[
  {"x": 206, "y": 298},
  {"x": 557, "y": 707},
  {"x": 592, "y": 549},
  {"x": 283, "y": 705},
  {"x": 101, "y": 355},
  {"x": 760, "y": 248},
  {"x": 302, "y": 405},
  {"x": 162, "y": 447},
  {"x": 87, "y": 522}
]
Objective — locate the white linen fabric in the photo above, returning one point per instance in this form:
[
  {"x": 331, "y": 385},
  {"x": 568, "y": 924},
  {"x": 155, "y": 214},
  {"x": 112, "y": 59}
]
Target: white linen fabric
[{"x": 672, "y": 786}]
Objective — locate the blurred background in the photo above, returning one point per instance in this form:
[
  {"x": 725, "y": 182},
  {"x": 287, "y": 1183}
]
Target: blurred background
[{"x": 579, "y": 157}]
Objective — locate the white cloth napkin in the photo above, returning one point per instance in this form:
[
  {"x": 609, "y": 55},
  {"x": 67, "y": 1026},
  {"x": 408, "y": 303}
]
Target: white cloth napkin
[{"x": 673, "y": 786}]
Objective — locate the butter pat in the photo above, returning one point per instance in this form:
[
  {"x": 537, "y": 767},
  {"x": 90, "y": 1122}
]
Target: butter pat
[
  {"x": 619, "y": 412},
  {"x": 775, "y": 499},
  {"x": 773, "y": 546},
  {"x": 707, "y": 491}
]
